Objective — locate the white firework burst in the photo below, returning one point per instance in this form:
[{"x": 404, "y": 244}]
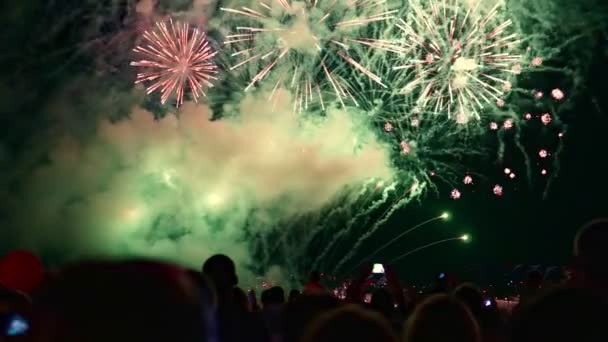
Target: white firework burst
[
  {"x": 301, "y": 44},
  {"x": 460, "y": 58}
]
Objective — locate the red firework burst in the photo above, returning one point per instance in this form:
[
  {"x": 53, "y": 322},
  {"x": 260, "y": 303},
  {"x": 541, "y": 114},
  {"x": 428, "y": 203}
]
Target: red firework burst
[{"x": 175, "y": 55}]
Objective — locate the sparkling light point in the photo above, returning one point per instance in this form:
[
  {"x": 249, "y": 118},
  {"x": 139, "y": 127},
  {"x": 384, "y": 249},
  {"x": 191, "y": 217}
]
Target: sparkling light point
[
  {"x": 497, "y": 190},
  {"x": 405, "y": 147},
  {"x": 455, "y": 194},
  {"x": 557, "y": 94}
]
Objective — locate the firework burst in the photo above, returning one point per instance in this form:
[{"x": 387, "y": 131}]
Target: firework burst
[
  {"x": 303, "y": 43},
  {"x": 175, "y": 56},
  {"x": 460, "y": 57}
]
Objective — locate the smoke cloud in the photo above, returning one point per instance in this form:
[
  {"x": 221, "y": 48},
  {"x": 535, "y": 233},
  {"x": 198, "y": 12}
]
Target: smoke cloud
[{"x": 184, "y": 187}]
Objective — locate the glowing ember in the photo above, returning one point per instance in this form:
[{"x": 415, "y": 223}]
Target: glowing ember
[
  {"x": 527, "y": 116},
  {"x": 455, "y": 194},
  {"x": 557, "y": 94},
  {"x": 467, "y": 179},
  {"x": 405, "y": 147},
  {"x": 497, "y": 190},
  {"x": 543, "y": 153}
]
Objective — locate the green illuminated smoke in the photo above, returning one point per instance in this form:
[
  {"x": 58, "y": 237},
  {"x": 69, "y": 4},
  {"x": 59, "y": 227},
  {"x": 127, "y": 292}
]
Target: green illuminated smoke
[{"x": 266, "y": 186}]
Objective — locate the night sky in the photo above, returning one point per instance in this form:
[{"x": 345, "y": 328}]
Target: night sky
[{"x": 42, "y": 52}]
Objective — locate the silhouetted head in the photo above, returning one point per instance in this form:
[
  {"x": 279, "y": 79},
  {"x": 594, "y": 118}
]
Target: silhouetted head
[
  {"x": 273, "y": 295},
  {"x": 119, "y": 301},
  {"x": 565, "y": 314},
  {"x": 293, "y": 294},
  {"x": 221, "y": 271},
  {"x": 382, "y": 302},
  {"x": 349, "y": 323},
  {"x": 591, "y": 251},
  {"x": 441, "y": 318},
  {"x": 303, "y": 310},
  {"x": 472, "y": 297},
  {"x": 277, "y": 295}
]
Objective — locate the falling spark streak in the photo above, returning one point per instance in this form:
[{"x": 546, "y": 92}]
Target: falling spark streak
[
  {"x": 176, "y": 55},
  {"x": 457, "y": 238},
  {"x": 467, "y": 56},
  {"x": 414, "y": 191},
  {"x": 363, "y": 213},
  {"x": 305, "y": 43}
]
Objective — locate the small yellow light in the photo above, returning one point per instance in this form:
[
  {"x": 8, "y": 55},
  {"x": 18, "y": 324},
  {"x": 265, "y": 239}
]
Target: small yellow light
[
  {"x": 465, "y": 237},
  {"x": 445, "y": 216}
]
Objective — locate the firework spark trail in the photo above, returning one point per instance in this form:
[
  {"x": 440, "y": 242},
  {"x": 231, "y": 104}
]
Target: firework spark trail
[
  {"x": 457, "y": 238},
  {"x": 299, "y": 40},
  {"x": 406, "y": 198},
  {"x": 524, "y": 154},
  {"x": 364, "y": 213},
  {"x": 176, "y": 56},
  {"x": 343, "y": 210},
  {"x": 556, "y": 166},
  {"x": 465, "y": 58}
]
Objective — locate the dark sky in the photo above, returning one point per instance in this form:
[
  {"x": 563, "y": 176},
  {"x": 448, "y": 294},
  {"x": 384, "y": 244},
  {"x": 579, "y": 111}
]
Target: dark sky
[{"x": 38, "y": 56}]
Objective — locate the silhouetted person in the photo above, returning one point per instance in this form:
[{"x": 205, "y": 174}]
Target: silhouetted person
[
  {"x": 383, "y": 303},
  {"x": 253, "y": 301},
  {"x": 314, "y": 283},
  {"x": 487, "y": 316},
  {"x": 441, "y": 318},
  {"x": 235, "y": 321},
  {"x": 472, "y": 297},
  {"x": 532, "y": 286},
  {"x": 273, "y": 301},
  {"x": 119, "y": 301},
  {"x": 348, "y": 324},
  {"x": 221, "y": 271},
  {"x": 591, "y": 256},
  {"x": 304, "y": 310},
  {"x": 566, "y": 314},
  {"x": 293, "y": 294},
  {"x": 241, "y": 299}
]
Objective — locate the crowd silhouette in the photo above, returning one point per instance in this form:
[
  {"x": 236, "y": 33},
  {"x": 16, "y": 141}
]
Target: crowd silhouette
[{"x": 141, "y": 300}]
